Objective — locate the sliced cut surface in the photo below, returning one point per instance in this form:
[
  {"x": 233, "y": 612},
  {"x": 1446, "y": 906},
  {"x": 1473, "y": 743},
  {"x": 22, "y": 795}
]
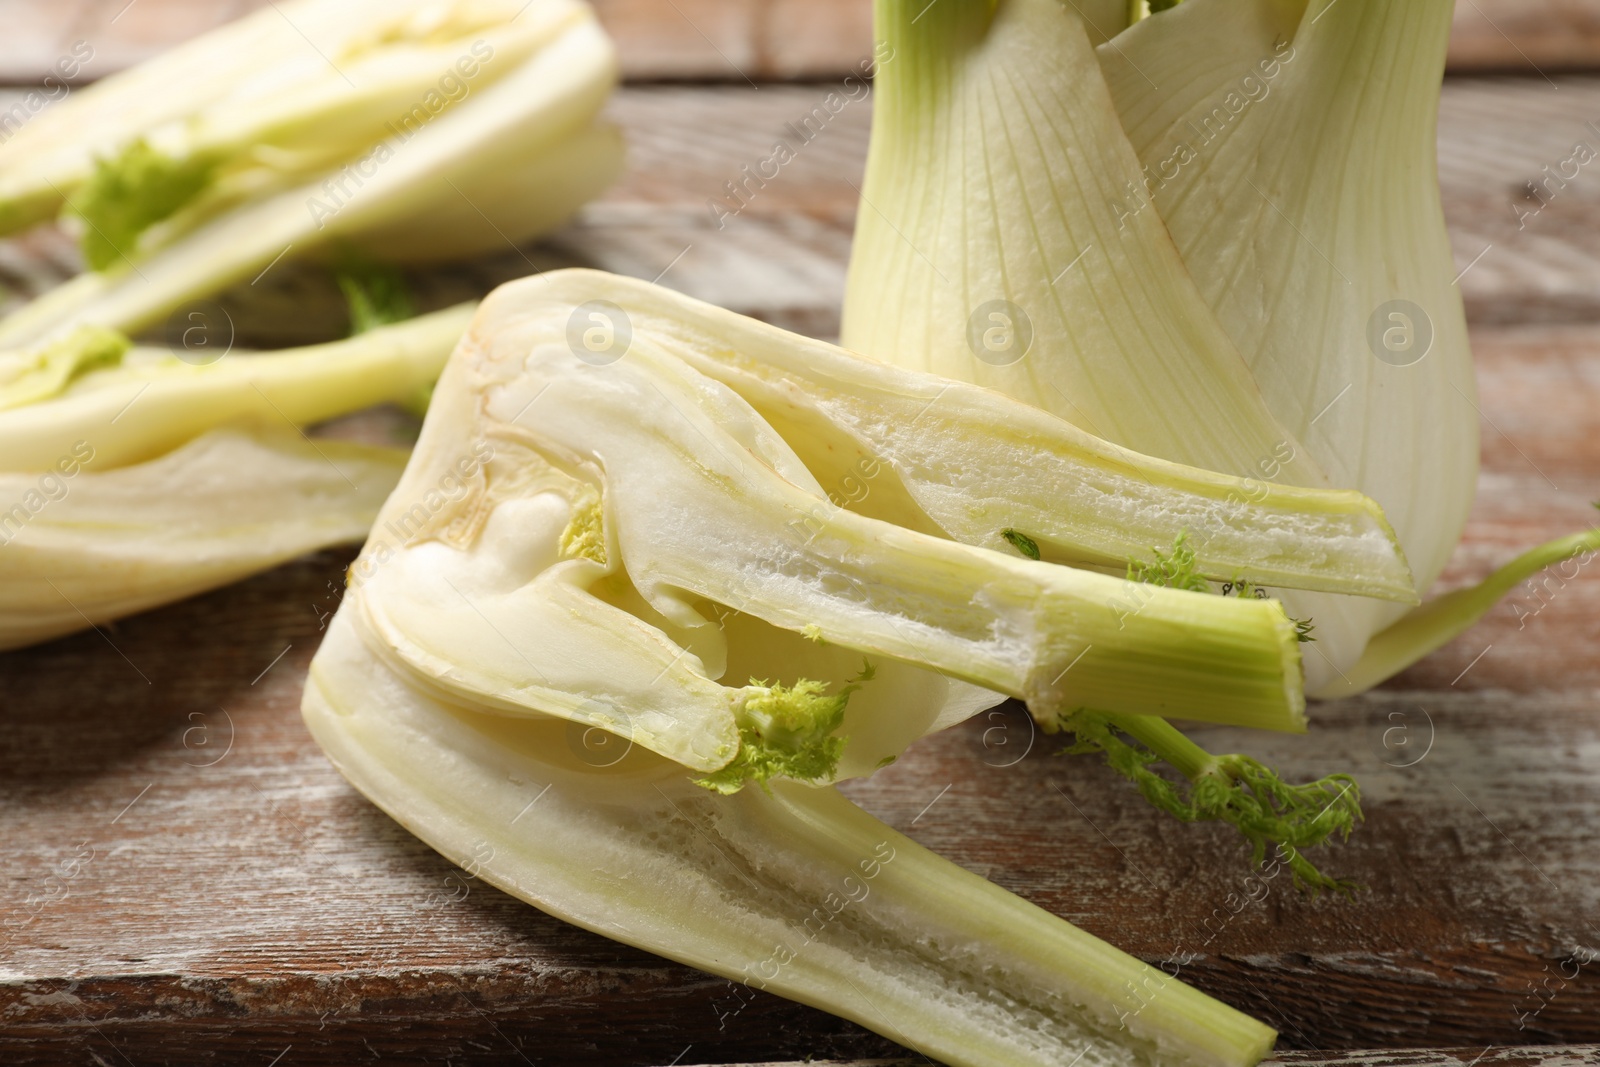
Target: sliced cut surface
[
  {"x": 796, "y": 891},
  {"x": 943, "y": 456},
  {"x": 699, "y": 500}
]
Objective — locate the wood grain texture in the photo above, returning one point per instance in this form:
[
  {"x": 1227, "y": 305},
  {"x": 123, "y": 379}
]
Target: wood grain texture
[
  {"x": 698, "y": 40},
  {"x": 1525, "y": 36},
  {"x": 729, "y": 40},
  {"x": 1549, "y": 1056},
  {"x": 1524, "y": 217},
  {"x": 1546, "y": 1056},
  {"x": 187, "y": 881}
]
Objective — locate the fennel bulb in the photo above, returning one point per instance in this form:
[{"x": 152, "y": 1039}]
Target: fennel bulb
[
  {"x": 992, "y": 246},
  {"x": 638, "y": 540},
  {"x": 1312, "y": 223},
  {"x": 82, "y": 548},
  {"x": 409, "y": 131},
  {"x": 1219, "y": 242},
  {"x": 143, "y": 479}
]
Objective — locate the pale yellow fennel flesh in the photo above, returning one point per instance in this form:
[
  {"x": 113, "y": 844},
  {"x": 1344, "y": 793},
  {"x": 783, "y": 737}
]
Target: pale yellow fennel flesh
[{"x": 576, "y": 583}]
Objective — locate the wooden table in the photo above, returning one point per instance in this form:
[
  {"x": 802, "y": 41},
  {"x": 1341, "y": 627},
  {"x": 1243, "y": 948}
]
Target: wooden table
[
  {"x": 729, "y": 40},
  {"x": 186, "y": 880}
]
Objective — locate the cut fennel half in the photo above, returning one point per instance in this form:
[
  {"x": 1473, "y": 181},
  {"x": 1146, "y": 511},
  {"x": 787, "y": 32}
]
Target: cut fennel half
[
  {"x": 511, "y": 159},
  {"x": 628, "y": 505},
  {"x": 149, "y": 401},
  {"x": 84, "y": 548},
  {"x": 143, "y": 478},
  {"x": 795, "y": 890},
  {"x": 294, "y": 90}
]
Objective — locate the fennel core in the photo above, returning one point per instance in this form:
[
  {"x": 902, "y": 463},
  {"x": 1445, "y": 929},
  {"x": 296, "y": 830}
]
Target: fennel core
[{"x": 788, "y": 732}]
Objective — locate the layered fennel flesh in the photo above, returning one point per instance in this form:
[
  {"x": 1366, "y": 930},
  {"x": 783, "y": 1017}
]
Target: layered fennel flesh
[
  {"x": 137, "y": 478},
  {"x": 796, "y": 891},
  {"x": 217, "y": 175},
  {"x": 670, "y": 470},
  {"x": 637, "y": 553}
]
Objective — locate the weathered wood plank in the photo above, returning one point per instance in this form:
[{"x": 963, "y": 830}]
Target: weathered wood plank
[
  {"x": 181, "y": 900},
  {"x": 1525, "y": 36},
  {"x": 730, "y": 40},
  {"x": 738, "y": 40},
  {"x": 718, "y": 40},
  {"x": 1546, "y": 1056},
  {"x": 236, "y": 901},
  {"x": 1527, "y": 237}
]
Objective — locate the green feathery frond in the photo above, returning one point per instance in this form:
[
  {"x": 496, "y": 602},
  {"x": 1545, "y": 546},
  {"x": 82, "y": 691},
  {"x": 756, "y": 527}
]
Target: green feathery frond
[
  {"x": 786, "y": 732},
  {"x": 130, "y": 192},
  {"x": 1175, "y": 571},
  {"x": 376, "y": 294},
  {"x": 1233, "y": 789}
]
